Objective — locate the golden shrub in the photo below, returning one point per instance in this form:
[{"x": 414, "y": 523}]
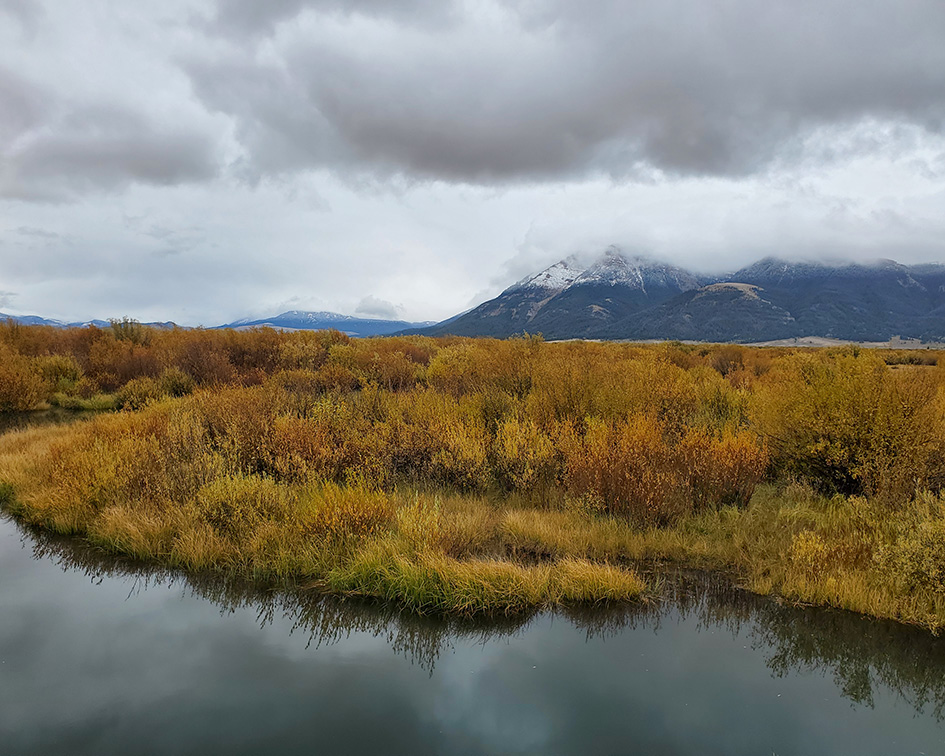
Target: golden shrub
[
  {"x": 523, "y": 455},
  {"x": 331, "y": 510},
  {"x": 846, "y": 423},
  {"x": 235, "y": 504},
  {"x": 21, "y": 387}
]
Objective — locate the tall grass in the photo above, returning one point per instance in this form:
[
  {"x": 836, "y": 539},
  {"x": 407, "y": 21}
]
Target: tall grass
[{"x": 468, "y": 474}]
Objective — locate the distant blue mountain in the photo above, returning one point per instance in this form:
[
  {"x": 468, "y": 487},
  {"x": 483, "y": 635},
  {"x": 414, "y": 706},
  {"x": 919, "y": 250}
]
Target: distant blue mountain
[
  {"x": 294, "y": 320},
  {"x": 37, "y": 320},
  {"x": 299, "y": 320}
]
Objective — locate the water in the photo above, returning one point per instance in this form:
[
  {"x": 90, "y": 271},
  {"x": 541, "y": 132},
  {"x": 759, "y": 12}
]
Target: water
[
  {"x": 55, "y": 416},
  {"x": 99, "y": 656}
]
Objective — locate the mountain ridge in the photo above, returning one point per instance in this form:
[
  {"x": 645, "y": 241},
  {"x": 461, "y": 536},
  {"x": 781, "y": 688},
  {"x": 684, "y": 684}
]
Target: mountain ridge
[
  {"x": 621, "y": 296},
  {"x": 289, "y": 320}
]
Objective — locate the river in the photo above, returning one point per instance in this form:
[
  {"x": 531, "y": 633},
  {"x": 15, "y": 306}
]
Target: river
[{"x": 103, "y": 656}]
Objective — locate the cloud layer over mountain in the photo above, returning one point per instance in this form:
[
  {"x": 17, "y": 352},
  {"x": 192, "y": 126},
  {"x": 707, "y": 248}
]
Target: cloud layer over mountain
[{"x": 202, "y": 157}]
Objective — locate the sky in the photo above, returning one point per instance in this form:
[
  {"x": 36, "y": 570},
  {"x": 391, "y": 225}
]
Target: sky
[{"x": 206, "y": 160}]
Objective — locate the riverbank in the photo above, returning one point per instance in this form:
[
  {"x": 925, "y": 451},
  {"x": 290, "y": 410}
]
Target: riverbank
[
  {"x": 482, "y": 476},
  {"x": 449, "y": 551}
]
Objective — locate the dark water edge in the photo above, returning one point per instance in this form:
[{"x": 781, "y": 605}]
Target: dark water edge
[
  {"x": 100, "y": 655},
  {"x": 10, "y": 421}
]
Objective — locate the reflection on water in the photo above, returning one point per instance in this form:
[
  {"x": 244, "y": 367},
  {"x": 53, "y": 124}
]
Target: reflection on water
[
  {"x": 10, "y": 421},
  {"x": 707, "y": 669},
  {"x": 859, "y": 654}
]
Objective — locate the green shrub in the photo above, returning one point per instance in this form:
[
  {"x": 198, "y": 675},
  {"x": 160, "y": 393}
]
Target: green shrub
[
  {"x": 139, "y": 392},
  {"x": 175, "y": 382},
  {"x": 62, "y": 372},
  {"x": 917, "y": 557}
]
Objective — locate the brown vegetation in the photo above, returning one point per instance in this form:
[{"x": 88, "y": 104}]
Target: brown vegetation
[{"x": 460, "y": 474}]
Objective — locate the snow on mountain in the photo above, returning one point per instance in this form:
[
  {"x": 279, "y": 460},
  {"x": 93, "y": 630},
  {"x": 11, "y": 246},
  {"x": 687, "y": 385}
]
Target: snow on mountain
[
  {"x": 555, "y": 278},
  {"x": 614, "y": 268}
]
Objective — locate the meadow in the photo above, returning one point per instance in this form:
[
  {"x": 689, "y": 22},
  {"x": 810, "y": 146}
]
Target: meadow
[{"x": 482, "y": 476}]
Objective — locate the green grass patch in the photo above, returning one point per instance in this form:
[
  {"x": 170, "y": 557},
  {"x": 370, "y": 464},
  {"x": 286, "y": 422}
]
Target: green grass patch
[{"x": 96, "y": 403}]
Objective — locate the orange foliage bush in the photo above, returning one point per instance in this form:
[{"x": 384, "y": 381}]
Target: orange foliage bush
[{"x": 637, "y": 469}]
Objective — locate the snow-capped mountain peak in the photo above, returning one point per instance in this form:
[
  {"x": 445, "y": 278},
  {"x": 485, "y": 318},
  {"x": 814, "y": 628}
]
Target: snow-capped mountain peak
[
  {"x": 614, "y": 268},
  {"x": 554, "y": 278}
]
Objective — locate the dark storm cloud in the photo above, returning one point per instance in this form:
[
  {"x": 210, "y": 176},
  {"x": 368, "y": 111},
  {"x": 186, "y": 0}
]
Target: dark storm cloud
[
  {"x": 537, "y": 89},
  {"x": 96, "y": 147}
]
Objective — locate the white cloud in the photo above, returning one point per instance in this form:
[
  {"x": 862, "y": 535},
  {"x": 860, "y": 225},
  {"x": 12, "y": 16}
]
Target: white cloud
[{"x": 200, "y": 161}]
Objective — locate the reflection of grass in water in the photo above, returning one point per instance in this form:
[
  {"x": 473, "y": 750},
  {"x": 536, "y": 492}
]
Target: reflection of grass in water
[
  {"x": 861, "y": 655},
  {"x": 10, "y": 421}
]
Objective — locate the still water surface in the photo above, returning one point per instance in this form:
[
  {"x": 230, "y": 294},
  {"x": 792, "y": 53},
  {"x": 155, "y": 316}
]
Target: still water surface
[{"x": 98, "y": 657}]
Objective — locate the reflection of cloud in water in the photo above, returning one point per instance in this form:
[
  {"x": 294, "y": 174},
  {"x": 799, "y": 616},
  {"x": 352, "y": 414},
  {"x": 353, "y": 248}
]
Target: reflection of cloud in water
[{"x": 860, "y": 654}]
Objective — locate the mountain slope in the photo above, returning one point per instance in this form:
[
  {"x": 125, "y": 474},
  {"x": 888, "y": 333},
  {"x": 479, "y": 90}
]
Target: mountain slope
[
  {"x": 859, "y": 302},
  {"x": 515, "y": 308},
  {"x": 37, "y": 320},
  {"x": 299, "y": 320},
  {"x": 717, "y": 312},
  {"x": 613, "y": 288},
  {"x": 570, "y": 300},
  {"x": 622, "y": 297}
]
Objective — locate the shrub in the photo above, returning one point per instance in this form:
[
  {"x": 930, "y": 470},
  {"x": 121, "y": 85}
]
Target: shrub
[
  {"x": 523, "y": 455},
  {"x": 235, "y": 504},
  {"x": 916, "y": 558},
  {"x": 61, "y": 372},
  {"x": 139, "y": 392},
  {"x": 627, "y": 467},
  {"x": 175, "y": 382},
  {"x": 333, "y": 511},
  {"x": 847, "y": 424},
  {"x": 21, "y": 387}
]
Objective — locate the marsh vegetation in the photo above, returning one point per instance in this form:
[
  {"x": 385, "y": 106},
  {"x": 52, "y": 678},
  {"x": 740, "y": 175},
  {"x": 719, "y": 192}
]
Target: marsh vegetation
[{"x": 475, "y": 476}]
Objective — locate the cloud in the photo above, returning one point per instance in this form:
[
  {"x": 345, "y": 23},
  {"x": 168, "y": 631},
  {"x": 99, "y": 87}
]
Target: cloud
[
  {"x": 202, "y": 159},
  {"x": 253, "y": 18},
  {"x": 373, "y": 307},
  {"x": 6, "y": 298},
  {"x": 56, "y": 145},
  {"x": 537, "y": 90},
  {"x": 37, "y": 233},
  {"x": 102, "y": 147},
  {"x": 22, "y": 107},
  {"x": 28, "y": 13}
]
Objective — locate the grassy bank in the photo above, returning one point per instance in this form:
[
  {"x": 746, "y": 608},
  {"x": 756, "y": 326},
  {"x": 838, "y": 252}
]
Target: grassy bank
[
  {"x": 442, "y": 552},
  {"x": 475, "y": 475},
  {"x": 456, "y": 551}
]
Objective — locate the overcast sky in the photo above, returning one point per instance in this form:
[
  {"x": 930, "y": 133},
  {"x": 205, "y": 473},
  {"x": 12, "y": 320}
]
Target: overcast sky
[{"x": 204, "y": 160}]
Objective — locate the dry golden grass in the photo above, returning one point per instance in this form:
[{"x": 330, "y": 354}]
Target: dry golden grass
[{"x": 473, "y": 475}]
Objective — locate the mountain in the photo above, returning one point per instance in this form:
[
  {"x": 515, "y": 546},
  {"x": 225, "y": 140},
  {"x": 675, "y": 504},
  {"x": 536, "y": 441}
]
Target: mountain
[
  {"x": 630, "y": 297},
  {"x": 515, "y": 308},
  {"x": 299, "y": 320},
  {"x": 37, "y": 320},
  {"x": 717, "y": 312},
  {"x": 294, "y": 320},
  {"x": 571, "y": 300},
  {"x": 32, "y": 320},
  {"x": 613, "y": 288},
  {"x": 855, "y": 301}
]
